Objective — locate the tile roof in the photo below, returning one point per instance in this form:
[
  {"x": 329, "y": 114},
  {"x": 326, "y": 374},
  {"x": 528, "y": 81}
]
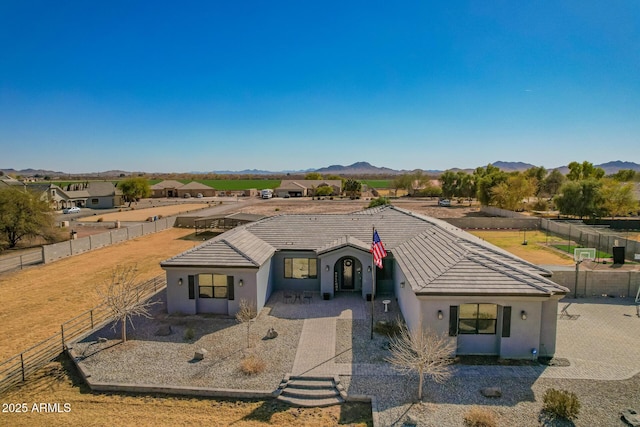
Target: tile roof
[
  {"x": 436, "y": 257},
  {"x": 168, "y": 183},
  {"x": 193, "y": 185}
]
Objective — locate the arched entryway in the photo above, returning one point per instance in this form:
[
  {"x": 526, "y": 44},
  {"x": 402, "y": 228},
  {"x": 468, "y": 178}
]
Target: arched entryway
[{"x": 347, "y": 275}]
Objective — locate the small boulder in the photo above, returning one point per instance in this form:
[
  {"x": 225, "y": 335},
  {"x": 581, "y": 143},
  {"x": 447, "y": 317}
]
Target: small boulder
[
  {"x": 491, "y": 392},
  {"x": 102, "y": 340},
  {"x": 200, "y": 354},
  {"x": 271, "y": 334},
  {"x": 163, "y": 331}
]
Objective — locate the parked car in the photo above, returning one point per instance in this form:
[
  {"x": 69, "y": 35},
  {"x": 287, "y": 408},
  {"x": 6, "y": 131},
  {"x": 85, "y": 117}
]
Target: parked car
[
  {"x": 72, "y": 210},
  {"x": 444, "y": 202},
  {"x": 199, "y": 196},
  {"x": 187, "y": 195}
]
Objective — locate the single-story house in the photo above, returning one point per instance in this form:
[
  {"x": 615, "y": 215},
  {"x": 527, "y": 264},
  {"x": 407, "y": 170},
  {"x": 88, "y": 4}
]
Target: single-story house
[
  {"x": 166, "y": 188},
  {"x": 172, "y": 188},
  {"x": 486, "y": 299},
  {"x": 194, "y": 188},
  {"x": 95, "y": 195},
  {"x": 307, "y": 187}
]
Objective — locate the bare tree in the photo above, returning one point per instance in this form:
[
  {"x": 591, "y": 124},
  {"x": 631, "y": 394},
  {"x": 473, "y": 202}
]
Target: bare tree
[
  {"x": 246, "y": 313},
  {"x": 422, "y": 351},
  {"x": 121, "y": 294}
]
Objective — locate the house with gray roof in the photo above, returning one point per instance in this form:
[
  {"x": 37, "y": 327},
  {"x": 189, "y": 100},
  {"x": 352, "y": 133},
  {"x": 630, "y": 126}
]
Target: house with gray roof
[
  {"x": 307, "y": 187},
  {"x": 486, "y": 299}
]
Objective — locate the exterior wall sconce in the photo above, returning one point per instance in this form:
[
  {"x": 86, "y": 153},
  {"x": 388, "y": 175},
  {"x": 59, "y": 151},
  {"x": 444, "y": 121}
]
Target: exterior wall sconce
[
  {"x": 369, "y": 269},
  {"x": 440, "y": 315},
  {"x": 240, "y": 283},
  {"x": 402, "y": 284},
  {"x": 326, "y": 267},
  {"x": 523, "y": 315},
  {"x": 180, "y": 281}
]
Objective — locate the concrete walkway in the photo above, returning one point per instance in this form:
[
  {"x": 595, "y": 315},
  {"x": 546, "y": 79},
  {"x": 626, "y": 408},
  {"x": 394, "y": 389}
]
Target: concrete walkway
[{"x": 601, "y": 341}]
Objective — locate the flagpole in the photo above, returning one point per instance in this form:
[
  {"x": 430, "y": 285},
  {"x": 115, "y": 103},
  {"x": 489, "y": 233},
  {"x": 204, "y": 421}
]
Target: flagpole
[{"x": 373, "y": 283}]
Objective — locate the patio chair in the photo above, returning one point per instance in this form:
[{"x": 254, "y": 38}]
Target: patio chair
[
  {"x": 288, "y": 296},
  {"x": 306, "y": 296}
]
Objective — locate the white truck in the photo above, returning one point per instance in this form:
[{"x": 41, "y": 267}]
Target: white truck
[{"x": 266, "y": 194}]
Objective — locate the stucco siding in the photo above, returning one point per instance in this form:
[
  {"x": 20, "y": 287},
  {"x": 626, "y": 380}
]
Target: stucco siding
[
  {"x": 329, "y": 260},
  {"x": 407, "y": 301},
  {"x": 279, "y": 281},
  {"x": 549, "y": 326}
]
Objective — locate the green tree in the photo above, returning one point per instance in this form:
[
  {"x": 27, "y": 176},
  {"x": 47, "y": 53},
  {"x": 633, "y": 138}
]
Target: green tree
[
  {"x": 448, "y": 181},
  {"x": 537, "y": 176},
  {"x": 486, "y": 179},
  {"x": 323, "y": 190},
  {"x": 552, "y": 183},
  {"x": 402, "y": 182},
  {"x": 584, "y": 170},
  {"x": 134, "y": 189},
  {"x": 23, "y": 214},
  {"x": 624, "y": 175},
  {"x": 353, "y": 188},
  {"x": 580, "y": 198},
  {"x": 617, "y": 198},
  {"x": 313, "y": 176}
]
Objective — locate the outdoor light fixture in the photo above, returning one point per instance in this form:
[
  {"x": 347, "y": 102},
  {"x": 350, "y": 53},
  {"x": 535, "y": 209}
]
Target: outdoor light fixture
[
  {"x": 180, "y": 281},
  {"x": 241, "y": 283},
  {"x": 326, "y": 267},
  {"x": 369, "y": 268},
  {"x": 402, "y": 284},
  {"x": 523, "y": 315},
  {"x": 440, "y": 315}
]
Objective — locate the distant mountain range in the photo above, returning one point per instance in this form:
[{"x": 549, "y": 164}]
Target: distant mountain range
[{"x": 358, "y": 168}]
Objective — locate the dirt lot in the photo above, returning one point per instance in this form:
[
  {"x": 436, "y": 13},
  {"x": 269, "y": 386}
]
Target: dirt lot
[
  {"x": 137, "y": 215},
  {"x": 37, "y": 300},
  {"x": 306, "y": 205}
]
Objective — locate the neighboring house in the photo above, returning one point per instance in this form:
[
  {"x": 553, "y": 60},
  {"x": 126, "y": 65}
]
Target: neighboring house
[
  {"x": 7, "y": 181},
  {"x": 307, "y": 187},
  {"x": 166, "y": 188},
  {"x": 194, "y": 188},
  {"x": 488, "y": 300},
  {"x": 103, "y": 195},
  {"x": 171, "y": 188},
  {"x": 95, "y": 195}
]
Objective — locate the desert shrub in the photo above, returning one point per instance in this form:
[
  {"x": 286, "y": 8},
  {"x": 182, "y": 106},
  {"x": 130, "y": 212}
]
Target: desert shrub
[
  {"x": 561, "y": 403},
  {"x": 480, "y": 417},
  {"x": 189, "y": 334},
  {"x": 100, "y": 219},
  {"x": 380, "y": 201},
  {"x": 388, "y": 329},
  {"x": 277, "y": 209},
  {"x": 252, "y": 365},
  {"x": 540, "y": 205}
]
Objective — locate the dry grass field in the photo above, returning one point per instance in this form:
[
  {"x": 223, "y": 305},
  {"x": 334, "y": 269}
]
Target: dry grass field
[
  {"x": 58, "y": 383},
  {"x": 37, "y": 300}
]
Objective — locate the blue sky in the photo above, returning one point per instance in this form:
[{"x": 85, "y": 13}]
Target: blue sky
[{"x": 200, "y": 86}]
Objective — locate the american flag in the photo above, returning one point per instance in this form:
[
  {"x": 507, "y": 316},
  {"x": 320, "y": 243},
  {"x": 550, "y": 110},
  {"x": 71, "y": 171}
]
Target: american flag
[{"x": 377, "y": 249}]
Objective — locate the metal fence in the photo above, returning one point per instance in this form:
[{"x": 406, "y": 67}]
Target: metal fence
[
  {"x": 18, "y": 368},
  {"x": 18, "y": 262}
]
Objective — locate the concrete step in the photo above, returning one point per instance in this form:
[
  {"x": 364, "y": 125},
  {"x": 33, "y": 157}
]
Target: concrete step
[
  {"x": 310, "y": 384},
  {"x": 306, "y": 393},
  {"x": 311, "y": 403}
]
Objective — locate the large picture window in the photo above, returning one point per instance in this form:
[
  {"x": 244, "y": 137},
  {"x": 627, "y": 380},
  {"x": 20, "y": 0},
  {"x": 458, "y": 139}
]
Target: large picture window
[
  {"x": 300, "y": 268},
  {"x": 213, "y": 286},
  {"x": 477, "y": 319}
]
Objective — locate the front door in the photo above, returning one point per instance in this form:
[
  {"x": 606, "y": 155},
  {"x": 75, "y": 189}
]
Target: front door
[{"x": 347, "y": 275}]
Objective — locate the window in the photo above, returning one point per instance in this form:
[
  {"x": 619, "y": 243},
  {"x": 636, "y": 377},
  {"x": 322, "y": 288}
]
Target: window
[
  {"x": 477, "y": 318},
  {"x": 213, "y": 285},
  {"x": 95, "y": 201},
  {"x": 300, "y": 268}
]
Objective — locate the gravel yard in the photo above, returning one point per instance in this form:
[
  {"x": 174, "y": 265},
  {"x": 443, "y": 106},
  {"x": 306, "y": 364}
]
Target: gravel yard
[
  {"x": 151, "y": 359},
  {"x": 147, "y": 358}
]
